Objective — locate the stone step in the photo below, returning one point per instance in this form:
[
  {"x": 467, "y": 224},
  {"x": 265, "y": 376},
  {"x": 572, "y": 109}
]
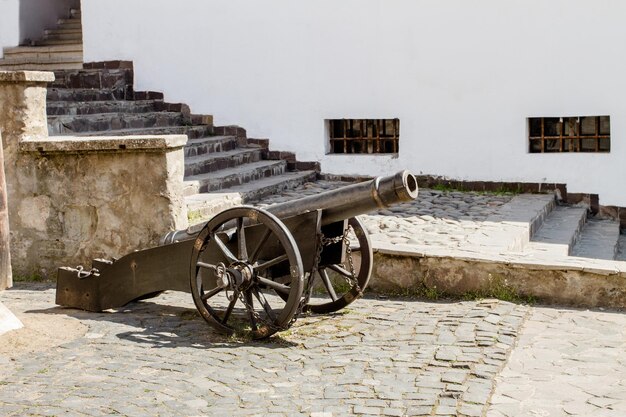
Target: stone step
[
  {"x": 56, "y": 42},
  {"x": 59, "y": 108},
  {"x": 75, "y": 14},
  {"x": 76, "y": 36},
  {"x": 94, "y": 78},
  {"x": 205, "y": 145},
  {"x": 40, "y": 66},
  {"x": 204, "y": 206},
  {"x": 95, "y": 123},
  {"x": 63, "y": 31},
  {"x": 86, "y": 94},
  {"x": 70, "y": 23},
  {"x": 43, "y": 60},
  {"x": 232, "y": 177},
  {"x": 72, "y": 50},
  {"x": 598, "y": 239},
  {"x": 211, "y": 162},
  {"x": 560, "y": 230},
  {"x": 512, "y": 227},
  {"x": 192, "y": 132}
]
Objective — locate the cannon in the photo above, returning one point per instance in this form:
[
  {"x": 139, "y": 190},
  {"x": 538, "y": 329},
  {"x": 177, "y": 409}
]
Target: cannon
[{"x": 248, "y": 269}]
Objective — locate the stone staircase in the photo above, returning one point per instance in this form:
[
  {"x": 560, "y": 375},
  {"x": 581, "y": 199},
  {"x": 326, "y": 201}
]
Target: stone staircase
[
  {"x": 59, "y": 48},
  {"x": 222, "y": 166},
  {"x": 572, "y": 231}
]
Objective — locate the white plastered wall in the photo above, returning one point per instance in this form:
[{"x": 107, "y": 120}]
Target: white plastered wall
[
  {"x": 9, "y": 23},
  {"x": 462, "y": 76}
]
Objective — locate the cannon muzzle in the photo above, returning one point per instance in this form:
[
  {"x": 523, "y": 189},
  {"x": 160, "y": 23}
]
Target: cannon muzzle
[{"x": 339, "y": 204}]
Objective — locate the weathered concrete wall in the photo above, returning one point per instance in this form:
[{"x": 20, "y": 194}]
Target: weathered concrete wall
[
  {"x": 74, "y": 199},
  {"x": 453, "y": 276}
]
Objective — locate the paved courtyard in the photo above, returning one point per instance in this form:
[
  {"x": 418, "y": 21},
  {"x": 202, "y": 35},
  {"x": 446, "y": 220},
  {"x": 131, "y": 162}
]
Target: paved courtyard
[{"x": 393, "y": 357}]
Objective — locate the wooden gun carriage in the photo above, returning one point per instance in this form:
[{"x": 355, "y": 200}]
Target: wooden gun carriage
[{"x": 250, "y": 269}]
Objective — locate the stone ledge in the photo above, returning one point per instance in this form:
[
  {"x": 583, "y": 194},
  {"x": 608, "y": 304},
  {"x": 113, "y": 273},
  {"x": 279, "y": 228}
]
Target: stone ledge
[
  {"x": 26, "y": 76},
  {"x": 74, "y": 144},
  {"x": 521, "y": 261}
]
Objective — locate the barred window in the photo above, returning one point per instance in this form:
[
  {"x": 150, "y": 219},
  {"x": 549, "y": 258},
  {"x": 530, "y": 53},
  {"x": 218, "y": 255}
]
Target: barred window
[
  {"x": 569, "y": 134},
  {"x": 364, "y": 136}
]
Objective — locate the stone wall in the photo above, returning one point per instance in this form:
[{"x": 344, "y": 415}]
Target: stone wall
[{"x": 73, "y": 199}]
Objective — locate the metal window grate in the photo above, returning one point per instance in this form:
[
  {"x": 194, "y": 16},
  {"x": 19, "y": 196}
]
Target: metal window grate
[
  {"x": 569, "y": 134},
  {"x": 364, "y": 136}
]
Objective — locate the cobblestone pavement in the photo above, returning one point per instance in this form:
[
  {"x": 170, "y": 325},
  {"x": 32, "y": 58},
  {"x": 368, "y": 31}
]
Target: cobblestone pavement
[
  {"x": 437, "y": 219},
  {"x": 378, "y": 357},
  {"x": 566, "y": 363}
]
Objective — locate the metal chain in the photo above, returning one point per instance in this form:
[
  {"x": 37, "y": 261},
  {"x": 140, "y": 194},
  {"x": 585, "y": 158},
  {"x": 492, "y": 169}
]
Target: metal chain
[
  {"x": 257, "y": 316},
  {"x": 352, "y": 280},
  {"x": 309, "y": 285},
  {"x": 322, "y": 241}
]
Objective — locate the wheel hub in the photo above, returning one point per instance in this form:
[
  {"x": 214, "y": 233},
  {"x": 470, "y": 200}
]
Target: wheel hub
[{"x": 237, "y": 276}]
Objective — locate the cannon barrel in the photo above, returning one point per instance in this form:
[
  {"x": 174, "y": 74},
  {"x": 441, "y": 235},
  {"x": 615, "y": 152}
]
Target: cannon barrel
[{"x": 339, "y": 204}]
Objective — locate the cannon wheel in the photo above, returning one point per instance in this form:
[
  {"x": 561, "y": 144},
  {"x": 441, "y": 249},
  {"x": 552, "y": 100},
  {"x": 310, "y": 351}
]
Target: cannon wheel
[
  {"x": 237, "y": 298},
  {"x": 336, "y": 292}
]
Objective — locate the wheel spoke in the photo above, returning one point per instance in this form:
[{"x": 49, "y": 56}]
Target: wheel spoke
[
  {"x": 231, "y": 306},
  {"x": 275, "y": 285},
  {"x": 257, "y": 250},
  {"x": 211, "y": 293},
  {"x": 250, "y": 308},
  {"x": 227, "y": 253},
  {"x": 329, "y": 285},
  {"x": 206, "y": 265},
  {"x": 340, "y": 270},
  {"x": 272, "y": 262},
  {"x": 241, "y": 240},
  {"x": 264, "y": 303}
]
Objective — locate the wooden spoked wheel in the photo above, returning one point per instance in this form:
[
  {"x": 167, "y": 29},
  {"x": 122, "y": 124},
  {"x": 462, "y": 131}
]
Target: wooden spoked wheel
[{"x": 241, "y": 260}]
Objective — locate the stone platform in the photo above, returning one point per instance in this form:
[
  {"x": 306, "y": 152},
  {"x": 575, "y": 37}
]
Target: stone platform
[{"x": 526, "y": 245}]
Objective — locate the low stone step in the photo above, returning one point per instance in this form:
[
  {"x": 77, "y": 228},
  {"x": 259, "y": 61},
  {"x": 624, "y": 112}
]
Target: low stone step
[
  {"x": 72, "y": 50},
  {"x": 204, "y": 206},
  {"x": 560, "y": 230},
  {"x": 512, "y": 226},
  {"x": 59, "y": 108},
  {"x": 95, "y": 123},
  {"x": 42, "y": 66},
  {"x": 598, "y": 239},
  {"x": 232, "y": 177},
  {"x": 76, "y": 36},
  {"x": 63, "y": 31},
  {"x": 94, "y": 78},
  {"x": 70, "y": 23},
  {"x": 206, "y": 145},
  {"x": 86, "y": 94},
  {"x": 56, "y": 42},
  {"x": 191, "y": 131},
  {"x": 211, "y": 162},
  {"x": 41, "y": 60}
]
